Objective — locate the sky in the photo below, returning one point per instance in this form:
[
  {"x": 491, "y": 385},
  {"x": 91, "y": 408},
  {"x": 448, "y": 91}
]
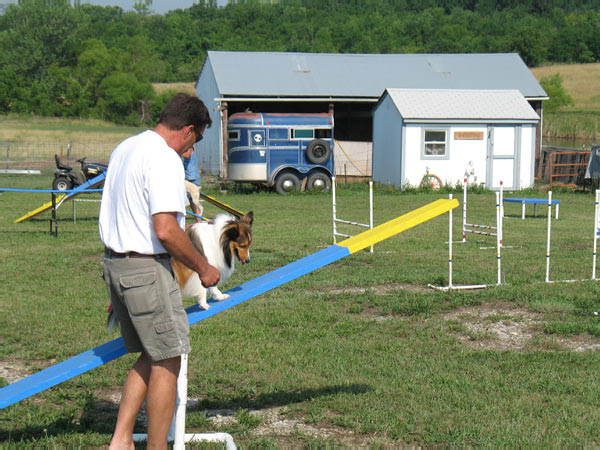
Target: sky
[{"x": 158, "y": 6}]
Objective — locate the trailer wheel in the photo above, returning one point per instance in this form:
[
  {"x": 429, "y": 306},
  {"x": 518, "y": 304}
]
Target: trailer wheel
[
  {"x": 318, "y": 181},
  {"x": 318, "y": 151},
  {"x": 287, "y": 182}
]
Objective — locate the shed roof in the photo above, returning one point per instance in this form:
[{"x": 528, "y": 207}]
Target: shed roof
[
  {"x": 457, "y": 104},
  {"x": 279, "y": 74}
]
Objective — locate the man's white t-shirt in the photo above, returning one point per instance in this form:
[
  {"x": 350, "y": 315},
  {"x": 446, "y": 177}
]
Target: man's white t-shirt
[{"x": 145, "y": 176}]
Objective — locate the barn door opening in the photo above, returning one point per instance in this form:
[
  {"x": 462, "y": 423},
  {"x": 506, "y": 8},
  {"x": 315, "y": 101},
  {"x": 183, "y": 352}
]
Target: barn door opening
[{"x": 501, "y": 157}]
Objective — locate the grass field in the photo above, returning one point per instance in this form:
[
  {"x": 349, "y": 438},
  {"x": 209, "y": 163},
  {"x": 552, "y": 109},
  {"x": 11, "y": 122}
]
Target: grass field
[{"x": 359, "y": 353}]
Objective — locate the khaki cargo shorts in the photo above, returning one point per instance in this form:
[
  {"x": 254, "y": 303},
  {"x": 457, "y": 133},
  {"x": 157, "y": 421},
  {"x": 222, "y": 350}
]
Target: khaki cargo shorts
[{"x": 148, "y": 306}]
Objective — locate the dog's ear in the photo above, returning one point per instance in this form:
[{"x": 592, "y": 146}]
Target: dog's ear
[
  {"x": 248, "y": 218},
  {"x": 232, "y": 232}
]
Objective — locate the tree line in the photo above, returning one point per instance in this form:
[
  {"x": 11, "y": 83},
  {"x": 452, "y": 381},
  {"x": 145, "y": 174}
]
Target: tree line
[{"x": 80, "y": 60}]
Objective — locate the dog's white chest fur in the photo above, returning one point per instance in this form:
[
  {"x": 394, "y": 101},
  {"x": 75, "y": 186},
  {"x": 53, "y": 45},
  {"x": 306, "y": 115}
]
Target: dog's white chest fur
[{"x": 208, "y": 234}]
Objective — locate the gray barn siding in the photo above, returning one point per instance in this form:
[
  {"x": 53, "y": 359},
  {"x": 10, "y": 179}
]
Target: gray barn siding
[
  {"x": 209, "y": 150},
  {"x": 387, "y": 138}
]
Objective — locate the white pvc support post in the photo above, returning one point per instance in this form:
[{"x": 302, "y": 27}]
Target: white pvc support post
[
  {"x": 548, "y": 238},
  {"x": 596, "y": 231},
  {"x": 334, "y": 212},
  {"x": 498, "y": 238},
  {"x": 501, "y": 200},
  {"x": 501, "y": 212},
  {"x": 450, "y": 246},
  {"x": 177, "y": 433},
  {"x": 177, "y": 430},
  {"x": 371, "y": 207},
  {"x": 464, "y": 225}
]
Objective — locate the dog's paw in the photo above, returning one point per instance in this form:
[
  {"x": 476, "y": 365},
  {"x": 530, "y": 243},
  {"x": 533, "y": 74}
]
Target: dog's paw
[
  {"x": 222, "y": 297},
  {"x": 203, "y": 305}
]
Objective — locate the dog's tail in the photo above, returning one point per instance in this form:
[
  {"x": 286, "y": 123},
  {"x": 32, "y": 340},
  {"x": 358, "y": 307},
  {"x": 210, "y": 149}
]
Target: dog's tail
[{"x": 111, "y": 321}]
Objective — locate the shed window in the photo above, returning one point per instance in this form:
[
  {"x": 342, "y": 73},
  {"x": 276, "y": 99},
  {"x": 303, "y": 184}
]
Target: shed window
[
  {"x": 435, "y": 143},
  {"x": 303, "y": 133}
]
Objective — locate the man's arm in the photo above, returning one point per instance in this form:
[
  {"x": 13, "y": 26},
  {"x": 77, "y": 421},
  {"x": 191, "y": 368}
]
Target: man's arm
[{"x": 174, "y": 239}]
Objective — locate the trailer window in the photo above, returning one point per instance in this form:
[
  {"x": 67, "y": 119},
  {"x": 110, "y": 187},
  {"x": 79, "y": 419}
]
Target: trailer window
[
  {"x": 434, "y": 144},
  {"x": 233, "y": 135},
  {"x": 323, "y": 133},
  {"x": 303, "y": 134},
  {"x": 280, "y": 134}
]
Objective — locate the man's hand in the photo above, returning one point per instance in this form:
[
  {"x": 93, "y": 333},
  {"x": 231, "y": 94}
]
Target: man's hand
[{"x": 210, "y": 276}]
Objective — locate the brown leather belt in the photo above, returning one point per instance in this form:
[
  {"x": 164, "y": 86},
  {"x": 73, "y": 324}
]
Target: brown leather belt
[{"x": 108, "y": 253}]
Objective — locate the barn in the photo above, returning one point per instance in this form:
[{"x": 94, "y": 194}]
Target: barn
[
  {"x": 346, "y": 85},
  {"x": 487, "y": 136}
]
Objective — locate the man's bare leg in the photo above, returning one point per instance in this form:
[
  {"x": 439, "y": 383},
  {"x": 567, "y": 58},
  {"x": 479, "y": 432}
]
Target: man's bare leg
[
  {"x": 134, "y": 392},
  {"x": 160, "y": 400}
]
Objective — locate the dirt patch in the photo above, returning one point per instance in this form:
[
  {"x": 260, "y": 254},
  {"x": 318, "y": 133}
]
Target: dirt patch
[
  {"x": 275, "y": 424},
  {"x": 13, "y": 370},
  {"x": 504, "y": 327}
]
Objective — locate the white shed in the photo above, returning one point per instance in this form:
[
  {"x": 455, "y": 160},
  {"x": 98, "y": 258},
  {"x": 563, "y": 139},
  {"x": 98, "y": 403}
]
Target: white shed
[{"x": 487, "y": 135}]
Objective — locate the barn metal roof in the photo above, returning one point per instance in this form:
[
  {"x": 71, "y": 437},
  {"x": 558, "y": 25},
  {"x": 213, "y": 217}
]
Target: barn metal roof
[
  {"x": 444, "y": 104},
  {"x": 277, "y": 74}
]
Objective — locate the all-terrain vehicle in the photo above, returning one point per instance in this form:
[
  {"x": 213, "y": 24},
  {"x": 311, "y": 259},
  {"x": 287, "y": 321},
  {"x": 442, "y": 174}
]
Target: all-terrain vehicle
[{"x": 66, "y": 178}]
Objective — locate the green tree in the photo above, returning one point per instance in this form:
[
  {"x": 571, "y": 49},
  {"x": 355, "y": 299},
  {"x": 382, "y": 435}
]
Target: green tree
[
  {"x": 125, "y": 99},
  {"x": 559, "y": 97}
]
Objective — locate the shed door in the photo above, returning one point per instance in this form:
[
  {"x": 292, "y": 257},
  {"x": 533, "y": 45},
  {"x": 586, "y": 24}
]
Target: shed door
[{"x": 502, "y": 151}]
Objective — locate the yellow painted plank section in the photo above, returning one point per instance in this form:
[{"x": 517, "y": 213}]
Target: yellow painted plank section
[
  {"x": 41, "y": 209},
  {"x": 398, "y": 225},
  {"x": 223, "y": 206}
]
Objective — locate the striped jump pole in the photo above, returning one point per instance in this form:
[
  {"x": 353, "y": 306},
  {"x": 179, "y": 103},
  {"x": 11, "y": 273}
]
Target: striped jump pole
[
  {"x": 450, "y": 246},
  {"x": 499, "y": 237}
]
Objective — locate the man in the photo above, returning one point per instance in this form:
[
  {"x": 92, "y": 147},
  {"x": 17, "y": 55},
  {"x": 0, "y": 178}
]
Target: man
[
  {"x": 193, "y": 181},
  {"x": 142, "y": 216}
]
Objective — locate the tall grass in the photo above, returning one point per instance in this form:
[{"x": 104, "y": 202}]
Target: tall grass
[{"x": 361, "y": 348}]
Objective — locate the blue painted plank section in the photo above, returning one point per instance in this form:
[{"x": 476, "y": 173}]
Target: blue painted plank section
[
  {"x": 60, "y": 372},
  {"x": 270, "y": 281},
  {"x": 114, "y": 349}
]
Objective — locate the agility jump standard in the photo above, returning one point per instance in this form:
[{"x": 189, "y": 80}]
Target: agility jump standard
[
  {"x": 465, "y": 226},
  {"x": 104, "y": 353},
  {"x": 450, "y": 254},
  {"x": 348, "y": 222}
]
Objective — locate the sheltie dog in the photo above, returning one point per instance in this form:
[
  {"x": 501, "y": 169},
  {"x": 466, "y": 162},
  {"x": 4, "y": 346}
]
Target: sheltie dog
[{"x": 221, "y": 241}]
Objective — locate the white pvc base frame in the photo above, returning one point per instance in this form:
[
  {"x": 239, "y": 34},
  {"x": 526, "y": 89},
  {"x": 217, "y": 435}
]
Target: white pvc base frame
[{"x": 177, "y": 433}]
